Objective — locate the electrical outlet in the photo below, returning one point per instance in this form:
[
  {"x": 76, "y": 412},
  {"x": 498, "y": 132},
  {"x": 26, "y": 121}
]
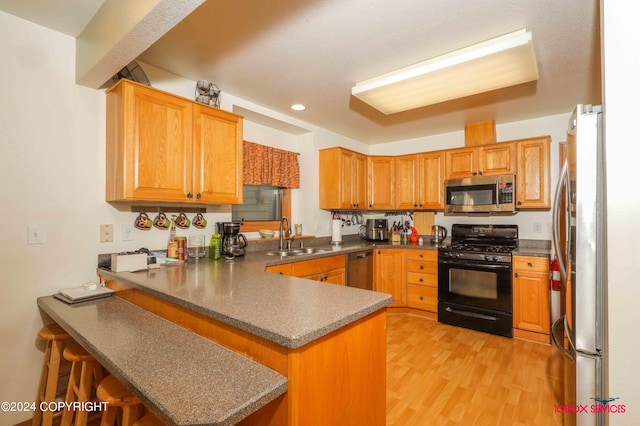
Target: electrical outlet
[
  {"x": 537, "y": 228},
  {"x": 126, "y": 232},
  {"x": 106, "y": 233},
  {"x": 35, "y": 234}
]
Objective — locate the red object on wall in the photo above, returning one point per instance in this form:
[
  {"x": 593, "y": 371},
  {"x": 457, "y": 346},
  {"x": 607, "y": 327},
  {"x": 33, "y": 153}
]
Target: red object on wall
[{"x": 555, "y": 274}]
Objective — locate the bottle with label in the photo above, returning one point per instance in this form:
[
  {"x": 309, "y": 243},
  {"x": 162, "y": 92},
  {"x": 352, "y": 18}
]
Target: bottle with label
[
  {"x": 172, "y": 244},
  {"x": 215, "y": 247}
]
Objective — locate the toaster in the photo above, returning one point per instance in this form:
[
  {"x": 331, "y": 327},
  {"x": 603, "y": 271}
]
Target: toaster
[{"x": 376, "y": 230}]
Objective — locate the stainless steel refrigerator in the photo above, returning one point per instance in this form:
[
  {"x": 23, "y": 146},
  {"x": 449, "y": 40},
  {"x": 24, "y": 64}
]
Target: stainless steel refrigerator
[{"x": 578, "y": 237}]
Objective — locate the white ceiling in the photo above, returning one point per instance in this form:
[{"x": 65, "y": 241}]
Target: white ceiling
[{"x": 278, "y": 53}]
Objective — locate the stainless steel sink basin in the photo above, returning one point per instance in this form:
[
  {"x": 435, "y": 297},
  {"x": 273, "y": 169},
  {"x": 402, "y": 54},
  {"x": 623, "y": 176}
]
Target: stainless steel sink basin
[{"x": 297, "y": 252}]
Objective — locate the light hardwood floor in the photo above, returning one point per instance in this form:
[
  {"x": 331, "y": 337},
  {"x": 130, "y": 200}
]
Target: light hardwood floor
[{"x": 443, "y": 375}]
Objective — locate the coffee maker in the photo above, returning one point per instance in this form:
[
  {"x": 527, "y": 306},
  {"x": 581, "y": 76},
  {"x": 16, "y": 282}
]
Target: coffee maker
[{"x": 233, "y": 242}]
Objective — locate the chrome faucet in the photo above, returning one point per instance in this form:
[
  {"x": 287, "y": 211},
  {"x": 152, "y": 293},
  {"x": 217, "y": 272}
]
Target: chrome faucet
[{"x": 282, "y": 230}]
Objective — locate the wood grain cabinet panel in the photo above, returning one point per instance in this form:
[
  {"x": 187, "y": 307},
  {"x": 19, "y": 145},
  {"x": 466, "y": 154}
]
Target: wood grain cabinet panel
[
  {"x": 422, "y": 280},
  {"x": 389, "y": 274},
  {"x": 532, "y": 180},
  {"x": 165, "y": 148},
  {"x": 488, "y": 160},
  {"x": 330, "y": 270},
  {"x": 419, "y": 181},
  {"x": 531, "y": 309},
  {"x": 343, "y": 179},
  {"x": 381, "y": 178}
]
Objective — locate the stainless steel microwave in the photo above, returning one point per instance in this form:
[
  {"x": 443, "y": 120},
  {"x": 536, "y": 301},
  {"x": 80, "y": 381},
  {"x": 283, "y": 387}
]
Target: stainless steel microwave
[{"x": 490, "y": 194}]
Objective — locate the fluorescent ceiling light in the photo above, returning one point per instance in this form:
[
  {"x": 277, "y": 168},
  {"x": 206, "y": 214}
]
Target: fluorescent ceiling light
[
  {"x": 298, "y": 107},
  {"x": 500, "y": 62}
]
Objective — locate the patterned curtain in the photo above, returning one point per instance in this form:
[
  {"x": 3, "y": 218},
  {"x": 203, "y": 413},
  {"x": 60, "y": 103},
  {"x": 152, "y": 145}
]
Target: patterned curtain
[{"x": 264, "y": 165}]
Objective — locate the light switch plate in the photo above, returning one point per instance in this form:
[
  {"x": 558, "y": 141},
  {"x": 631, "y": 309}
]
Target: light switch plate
[
  {"x": 35, "y": 234},
  {"x": 106, "y": 233},
  {"x": 126, "y": 232}
]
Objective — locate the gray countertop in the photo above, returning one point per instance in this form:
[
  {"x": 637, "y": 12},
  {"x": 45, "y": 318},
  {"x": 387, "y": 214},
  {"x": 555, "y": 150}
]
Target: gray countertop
[
  {"x": 183, "y": 377},
  {"x": 286, "y": 310}
]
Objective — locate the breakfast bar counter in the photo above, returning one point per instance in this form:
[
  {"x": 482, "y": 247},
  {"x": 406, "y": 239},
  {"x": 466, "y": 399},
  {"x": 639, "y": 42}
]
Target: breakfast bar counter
[{"x": 328, "y": 341}]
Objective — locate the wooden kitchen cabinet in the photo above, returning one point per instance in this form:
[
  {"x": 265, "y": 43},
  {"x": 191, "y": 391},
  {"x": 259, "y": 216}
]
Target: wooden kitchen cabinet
[
  {"x": 389, "y": 274},
  {"x": 331, "y": 270},
  {"x": 531, "y": 301},
  {"x": 532, "y": 176},
  {"x": 343, "y": 179},
  {"x": 381, "y": 179},
  {"x": 165, "y": 148},
  {"x": 487, "y": 160},
  {"x": 422, "y": 280},
  {"x": 419, "y": 181}
]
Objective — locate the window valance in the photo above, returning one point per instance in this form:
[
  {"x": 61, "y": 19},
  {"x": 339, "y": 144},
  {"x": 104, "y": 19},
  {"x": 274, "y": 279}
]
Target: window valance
[{"x": 264, "y": 165}]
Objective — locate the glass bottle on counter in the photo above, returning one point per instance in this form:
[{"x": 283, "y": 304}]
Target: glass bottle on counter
[
  {"x": 215, "y": 247},
  {"x": 172, "y": 244}
]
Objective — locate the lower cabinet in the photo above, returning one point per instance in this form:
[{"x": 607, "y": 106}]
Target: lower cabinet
[
  {"x": 327, "y": 269},
  {"x": 531, "y": 306},
  {"x": 422, "y": 280},
  {"x": 389, "y": 274}
]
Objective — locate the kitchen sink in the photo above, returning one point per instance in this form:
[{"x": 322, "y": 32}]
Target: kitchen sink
[{"x": 297, "y": 252}]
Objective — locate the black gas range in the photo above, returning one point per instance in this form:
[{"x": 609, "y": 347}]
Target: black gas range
[{"x": 475, "y": 287}]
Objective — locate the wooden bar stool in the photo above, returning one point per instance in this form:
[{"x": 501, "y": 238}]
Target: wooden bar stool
[
  {"x": 85, "y": 375},
  {"x": 121, "y": 403},
  {"x": 56, "y": 339}
]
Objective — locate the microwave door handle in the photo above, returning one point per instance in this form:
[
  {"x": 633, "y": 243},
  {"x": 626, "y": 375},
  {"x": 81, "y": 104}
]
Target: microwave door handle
[{"x": 498, "y": 193}]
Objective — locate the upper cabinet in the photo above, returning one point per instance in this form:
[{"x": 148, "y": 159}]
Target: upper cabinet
[
  {"x": 343, "y": 179},
  {"x": 165, "y": 148},
  {"x": 381, "y": 177},
  {"x": 419, "y": 179},
  {"x": 532, "y": 177},
  {"x": 487, "y": 160}
]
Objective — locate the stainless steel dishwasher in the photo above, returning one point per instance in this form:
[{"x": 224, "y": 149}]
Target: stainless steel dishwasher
[{"x": 360, "y": 270}]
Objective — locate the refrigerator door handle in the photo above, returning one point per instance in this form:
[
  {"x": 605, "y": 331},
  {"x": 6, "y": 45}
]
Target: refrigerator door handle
[
  {"x": 562, "y": 182},
  {"x": 558, "y": 339}
]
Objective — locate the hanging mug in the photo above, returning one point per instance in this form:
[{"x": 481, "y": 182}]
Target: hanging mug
[
  {"x": 199, "y": 221},
  {"x": 161, "y": 221},
  {"x": 143, "y": 222},
  {"x": 182, "y": 221}
]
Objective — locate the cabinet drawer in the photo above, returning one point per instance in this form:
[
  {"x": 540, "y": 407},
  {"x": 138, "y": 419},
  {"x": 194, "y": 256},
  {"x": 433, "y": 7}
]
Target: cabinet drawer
[
  {"x": 423, "y": 267},
  {"x": 428, "y": 255},
  {"x": 425, "y": 298},
  {"x": 308, "y": 267},
  {"x": 284, "y": 269},
  {"x": 535, "y": 264},
  {"x": 430, "y": 280}
]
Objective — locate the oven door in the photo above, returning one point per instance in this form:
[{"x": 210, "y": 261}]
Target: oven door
[
  {"x": 476, "y": 296},
  {"x": 477, "y": 284}
]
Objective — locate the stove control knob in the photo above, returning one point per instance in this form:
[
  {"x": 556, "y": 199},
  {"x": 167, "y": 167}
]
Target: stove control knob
[
  {"x": 494, "y": 258},
  {"x": 458, "y": 255}
]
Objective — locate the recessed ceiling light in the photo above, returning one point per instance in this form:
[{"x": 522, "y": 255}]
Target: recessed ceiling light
[{"x": 298, "y": 107}]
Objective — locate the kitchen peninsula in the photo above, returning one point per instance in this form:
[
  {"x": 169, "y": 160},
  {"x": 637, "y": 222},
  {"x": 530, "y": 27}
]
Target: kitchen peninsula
[{"x": 328, "y": 341}]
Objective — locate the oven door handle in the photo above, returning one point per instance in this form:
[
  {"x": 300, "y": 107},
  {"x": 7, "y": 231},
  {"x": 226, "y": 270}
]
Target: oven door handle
[
  {"x": 480, "y": 265},
  {"x": 471, "y": 314}
]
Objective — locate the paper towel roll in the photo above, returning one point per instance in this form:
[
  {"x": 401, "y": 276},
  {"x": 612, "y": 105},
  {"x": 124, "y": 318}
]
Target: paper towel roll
[{"x": 336, "y": 231}]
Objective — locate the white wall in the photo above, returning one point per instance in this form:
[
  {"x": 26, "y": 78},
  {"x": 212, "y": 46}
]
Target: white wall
[{"x": 621, "y": 89}]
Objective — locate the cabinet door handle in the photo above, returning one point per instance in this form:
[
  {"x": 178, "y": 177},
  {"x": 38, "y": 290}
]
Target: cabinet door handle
[
  {"x": 421, "y": 267},
  {"x": 480, "y": 173},
  {"x": 519, "y": 203},
  {"x": 189, "y": 195},
  {"x": 530, "y": 265},
  {"x": 421, "y": 255},
  {"x": 516, "y": 275},
  {"x": 198, "y": 195},
  {"x": 475, "y": 173},
  {"x": 421, "y": 280},
  {"x": 421, "y": 298}
]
